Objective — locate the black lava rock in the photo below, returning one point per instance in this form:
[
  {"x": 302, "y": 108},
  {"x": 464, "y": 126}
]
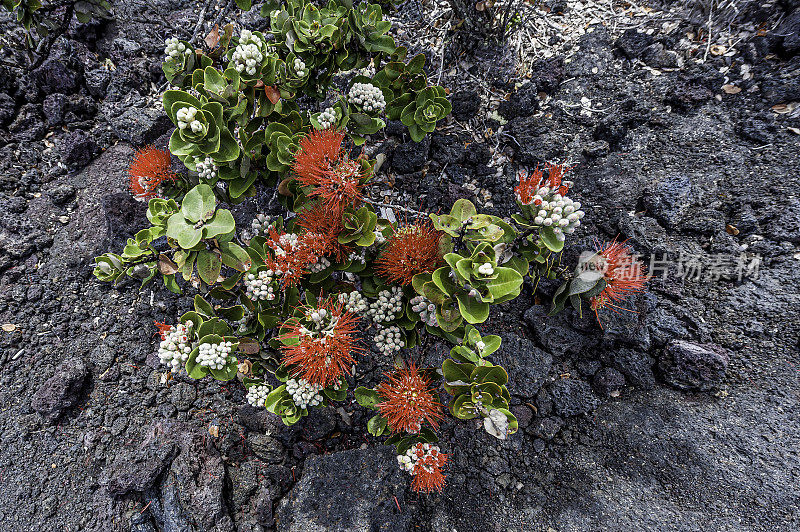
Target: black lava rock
[
  {"x": 547, "y": 74},
  {"x": 54, "y": 76},
  {"x": 28, "y": 125},
  {"x": 357, "y": 489},
  {"x": 599, "y": 148},
  {"x": 572, "y": 397},
  {"x": 686, "y": 95},
  {"x": 695, "y": 367},
  {"x": 62, "y": 194},
  {"x": 555, "y": 334},
  {"x": 657, "y": 56},
  {"x": 608, "y": 381},
  {"x": 633, "y": 44},
  {"x": 77, "y": 149},
  {"x": 7, "y": 108},
  {"x": 527, "y": 365},
  {"x": 53, "y": 107},
  {"x": 137, "y": 469},
  {"x": 789, "y": 30},
  {"x": 524, "y": 102},
  {"x": 669, "y": 199},
  {"x": 465, "y": 104},
  {"x": 97, "y": 80},
  {"x": 61, "y": 391},
  {"x": 636, "y": 365},
  {"x": 410, "y": 157}
]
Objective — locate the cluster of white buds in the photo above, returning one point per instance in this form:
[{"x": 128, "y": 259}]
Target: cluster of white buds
[
  {"x": 557, "y": 211},
  {"x": 187, "y": 117},
  {"x": 480, "y": 346},
  {"x": 320, "y": 265},
  {"x": 379, "y": 238},
  {"x": 173, "y": 48},
  {"x": 257, "y": 394},
  {"x": 388, "y": 340},
  {"x": 327, "y": 118},
  {"x": 241, "y": 323},
  {"x": 300, "y": 68},
  {"x": 358, "y": 256},
  {"x": 323, "y": 324},
  {"x": 303, "y": 393},
  {"x": 486, "y": 269},
  {"x": 214, "y": 356},
  {"x": 425, "y": 308},
  {"x": 247, "y": 54},
  {"x": 259, "y": 287},
  {"x": 260, "y": 224},
  {"x": 207, "y": 169},
  {"x": 388, "y": 305},
  {"x": 422, "y": 455},
  {"x": 368, "y": 96},
  {"x": 354, "y": 302},
  {"x": 176, "y": 346}
]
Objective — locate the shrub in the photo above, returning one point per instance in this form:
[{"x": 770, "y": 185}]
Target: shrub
[{"x": 299, "y": 299}]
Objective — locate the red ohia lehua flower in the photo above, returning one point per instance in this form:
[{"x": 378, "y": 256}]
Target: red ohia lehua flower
[
  {"x": 163, "y": 329},
  {"x": 326, "y": 342},
  {"x": 322, "y": 164},
  {"x": 425, "y": 463},
  {"x": 150, "y": 168},
  {"x": 293, "y": 254},
  {"x": 623, "y": 273},
  {"x": 408, "y": 400},
  {"x": 315, "y": 218},
  {"x": 531, "y": 182},
  {"x": 412, "y": 249}
]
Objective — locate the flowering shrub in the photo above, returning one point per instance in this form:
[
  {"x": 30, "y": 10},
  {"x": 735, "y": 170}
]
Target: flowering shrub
[{"x": 299, "y": 299}]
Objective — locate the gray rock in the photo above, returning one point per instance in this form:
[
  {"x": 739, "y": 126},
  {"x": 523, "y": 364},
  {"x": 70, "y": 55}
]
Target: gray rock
[
  {"x": 62, "y": 194},
  {"x": 182, "y": 395},
  {"x": 54, "y": 76},
  {"x": 695, "y": 367},
  {"x": 138, "y": 469},
  {"x": 97, "y": 80},
  {"x": 636, "y": 365},
  {"x": 556, "y": 335},
  {"x": 355, "y": 490},
  {"x": 61, "y": 391},
  {"x": 526, "y": 364},
  {"x": 633, "y": 44},
  {"x": 140, "y": 126},
  {"x": 572, "y": 397},
  {"x": 53, "y": 107},
  {"x": 78, "y": 149},
  {"x": 608, "y": 381},
  {"x": 267, "y": 448},
  {"x": 28, "y": 125},
  {"x": 7, "y": 108},
  {"x": 669, "y": 199}
]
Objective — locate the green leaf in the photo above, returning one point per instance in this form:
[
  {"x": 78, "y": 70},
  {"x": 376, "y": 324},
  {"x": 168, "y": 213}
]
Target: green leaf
[
  {"x": 377, "y": 425},
  {"x": 506, "y": 281},
  {"x": 471, "y": 309},
  {"x": 456, "y": 374},
  {"x": 193, "y": 369},
  {"x": 199, "y": 204},
  {"x": 367, "y": 397},
  {"x": 203, "y": 307},
  {"x": 463, "y": 209},
  {"x": 221, "y": 224},
  {"x": 234, "y": 256},
  {"x": 550, "y": 239},
  {"x": 179, "y": 229},
  {"x": 208, "y": 266}
]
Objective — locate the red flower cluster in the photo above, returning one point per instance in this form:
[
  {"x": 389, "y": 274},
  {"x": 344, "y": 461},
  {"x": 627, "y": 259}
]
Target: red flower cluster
[
  {"x": 623, "y": 273},
  {"x": 530, "y": 183},
  {"x": 150, "y": 168},
  {"x": 427, "y": 471},
  {"x": 412, "y": 249},
  {"x": 293, "y": 254},
  {"x": 163, "y": 329},
  {"x": 322, "y": 164},
  {"x": 408, "y": 400},
  {"x": 315, "y": 218},
  {"x": 326, "y": 342}
]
